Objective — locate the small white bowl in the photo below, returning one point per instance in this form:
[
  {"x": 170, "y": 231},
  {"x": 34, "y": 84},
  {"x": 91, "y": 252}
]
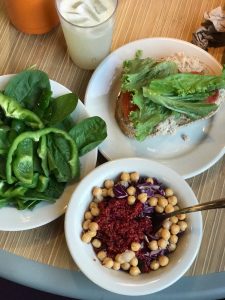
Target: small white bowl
[{"x": 119, "y": 281}]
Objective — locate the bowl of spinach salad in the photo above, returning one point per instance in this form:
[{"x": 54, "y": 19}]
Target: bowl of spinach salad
[{"x": 47, "y": 144}]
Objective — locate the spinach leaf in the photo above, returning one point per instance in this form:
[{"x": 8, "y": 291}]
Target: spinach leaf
[
  {"x": 58, "y": 153},
  {"x": 60, "y": 108},
  {"x": 88, "y": 134},
  {"x": 31, "y": 88}
]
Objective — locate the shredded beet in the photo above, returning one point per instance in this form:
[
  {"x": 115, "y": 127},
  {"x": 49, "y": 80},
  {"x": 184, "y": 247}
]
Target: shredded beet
[{"x": 120, "y": 224}]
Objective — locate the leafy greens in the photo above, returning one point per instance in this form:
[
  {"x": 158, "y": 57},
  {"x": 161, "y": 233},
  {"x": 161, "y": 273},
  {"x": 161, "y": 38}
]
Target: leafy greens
[
  {"x": 40, "y": 145},
  {"x": 160, "y": 91}
]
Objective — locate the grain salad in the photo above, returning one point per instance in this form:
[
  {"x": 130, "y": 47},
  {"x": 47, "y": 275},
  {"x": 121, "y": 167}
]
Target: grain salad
[{"x": 120, "y": 225}]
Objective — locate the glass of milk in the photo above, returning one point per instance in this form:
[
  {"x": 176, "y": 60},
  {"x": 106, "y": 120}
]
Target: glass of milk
[{"x": 88, "y": 28}]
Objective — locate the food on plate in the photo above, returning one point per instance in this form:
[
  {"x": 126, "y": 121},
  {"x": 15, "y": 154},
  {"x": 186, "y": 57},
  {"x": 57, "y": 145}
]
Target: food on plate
[
  {"x": 40, "y": 144},
  {"x": 160, "y": 95},
  {"x": 121, "y": 223}
]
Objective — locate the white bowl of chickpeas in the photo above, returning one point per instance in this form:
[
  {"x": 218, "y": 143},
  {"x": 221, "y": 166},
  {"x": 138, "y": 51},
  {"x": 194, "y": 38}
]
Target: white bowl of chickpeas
[{"x": 112, "y": 231}]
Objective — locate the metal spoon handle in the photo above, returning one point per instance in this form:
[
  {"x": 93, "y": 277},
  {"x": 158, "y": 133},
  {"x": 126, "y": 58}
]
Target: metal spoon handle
[{"x": 220, "y": 203}]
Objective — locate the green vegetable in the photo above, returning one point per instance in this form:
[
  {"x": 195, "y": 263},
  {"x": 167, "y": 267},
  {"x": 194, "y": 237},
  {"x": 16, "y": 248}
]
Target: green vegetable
[
  {"x": 31, "y": 88},
  {"x": 13, "y": 109},
  {"x": 88, "y": 134},
  {"x": 60, "y": 108},
  {"x": 39, "y": 143},
  {"x": 159, "y": 91},
  {"x": 20, "y": 154}
]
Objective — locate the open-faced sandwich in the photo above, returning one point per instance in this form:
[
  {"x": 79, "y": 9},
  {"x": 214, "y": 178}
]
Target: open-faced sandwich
[{"x": 160, "y": 95}]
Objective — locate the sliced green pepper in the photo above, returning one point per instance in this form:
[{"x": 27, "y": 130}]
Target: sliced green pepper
[
  {"x": 73, "y": 160},
  {"x": 13, "y": 109}
]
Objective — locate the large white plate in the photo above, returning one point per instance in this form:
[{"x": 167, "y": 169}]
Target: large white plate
[
  {"x": 12, "y": 219},
  {"x": 206, "y": 143}
]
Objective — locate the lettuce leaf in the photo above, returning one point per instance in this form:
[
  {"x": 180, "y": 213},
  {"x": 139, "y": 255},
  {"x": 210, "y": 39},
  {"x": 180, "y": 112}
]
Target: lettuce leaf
[
  {"x": 159, "y": 91},
  {"x": 138, "y": 72}
]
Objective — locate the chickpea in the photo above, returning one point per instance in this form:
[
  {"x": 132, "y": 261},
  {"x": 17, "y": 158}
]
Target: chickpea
[
  {"x": 116, "y": 265},
  {"x": 111, "y": 193},
  {"x": 165, "y": 234},
  {"x": 174, "y": 229},
  {"x": 93, "y": 204},
  {"x": 101, "y": 255},
  {"x": 135, "y": 246},
  {"x": 134, "y": 271},
  {"x": 172, "y": 200},
  {"x": 181, "y": 217},
  {"x": 162, "y": 202},
  {"x": 166, "y": 224},
  {"x": 119, "y": 258},
  {"x": 168, "y": 192},
  {"x": 152, "y": 201},
  {"x": 86, "y": 238},
  {"x": 154, "y": 265},
  {"x": 131, "y": 200},
  {"x": 86, "y": 224},
  {"x": 92, "y": 233},
  {"x": 169, "y": 208},
  {"x": 173, "y": 239},
  {"x": 142, "y": 197},
  {"x": 104, "y": 192},
  {"x": 107, "y": 262},
  {"x": 96, "y": 243},
  {"x": 127, "y": 256},
  {"x": 108, "y": 183},
  {"x": 131, "y": 190},
  {"x": 95, "y": 211},
  {"x": 134, "y": 262},
  {"x": 96, "y": 192},
  {"x": 93, "y": 226},
  {"x": 99, "y": 199},
  {"x": 172, "y": 247},
  {"x": 183, "y": 225},
  {"x": 174, "y": 219},
  {"x": 125, "y": 266},
  {"x": 163, "y": 260},
  {"x": 124, "y": 183},
  {"x": 176, "y": 207},
  {"x": 88, "y": 215},
  {"x": 125, "y": 176},
  {"x": 153, "y": 245},
  {"x": 134, "y": 176},
  {"x": 150, "y": 180},
  {"x": 159, "y": 209},
  {"x": 162, "y": 243}
]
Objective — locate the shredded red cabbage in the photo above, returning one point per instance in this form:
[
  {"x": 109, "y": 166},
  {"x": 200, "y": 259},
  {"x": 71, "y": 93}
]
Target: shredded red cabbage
[{"x": 119, "y": 191}]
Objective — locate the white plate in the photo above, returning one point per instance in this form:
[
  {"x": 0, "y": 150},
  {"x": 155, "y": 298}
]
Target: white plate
[
  {"x": 12, "y": 219},
  {"x": 206, "y": 142}
]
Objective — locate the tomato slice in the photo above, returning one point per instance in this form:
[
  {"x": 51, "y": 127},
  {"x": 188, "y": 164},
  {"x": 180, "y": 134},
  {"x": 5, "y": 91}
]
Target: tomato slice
[
  {"x": 213, "y": 97},
  {"x": 126, "y": 103}
]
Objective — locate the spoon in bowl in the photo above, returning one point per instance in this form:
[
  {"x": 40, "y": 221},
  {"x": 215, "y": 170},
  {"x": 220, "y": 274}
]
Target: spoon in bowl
[{"x": 159, "y": 218}]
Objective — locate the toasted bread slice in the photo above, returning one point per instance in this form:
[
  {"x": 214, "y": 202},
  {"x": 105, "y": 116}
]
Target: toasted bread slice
[{"x": 169, "y": 126}]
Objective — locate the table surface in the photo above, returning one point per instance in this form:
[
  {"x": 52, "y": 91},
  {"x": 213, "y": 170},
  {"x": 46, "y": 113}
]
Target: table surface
[{"x": 134, "y": 20}]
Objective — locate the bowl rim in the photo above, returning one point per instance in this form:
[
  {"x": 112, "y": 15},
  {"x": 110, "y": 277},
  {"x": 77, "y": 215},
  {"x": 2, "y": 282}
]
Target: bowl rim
[{"x": 77, "y": 251}]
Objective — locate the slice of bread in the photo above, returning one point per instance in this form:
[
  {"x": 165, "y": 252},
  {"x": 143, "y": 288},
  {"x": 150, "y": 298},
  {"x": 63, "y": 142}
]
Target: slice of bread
[{"x": 169, "y": 126}]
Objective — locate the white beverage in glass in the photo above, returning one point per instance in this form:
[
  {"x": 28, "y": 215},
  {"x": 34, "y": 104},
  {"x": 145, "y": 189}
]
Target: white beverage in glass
[{"x": 88, "y": 28}]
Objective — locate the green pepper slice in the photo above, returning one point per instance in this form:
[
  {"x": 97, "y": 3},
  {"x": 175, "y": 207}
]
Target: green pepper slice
[{"x": 73, "y": 159}]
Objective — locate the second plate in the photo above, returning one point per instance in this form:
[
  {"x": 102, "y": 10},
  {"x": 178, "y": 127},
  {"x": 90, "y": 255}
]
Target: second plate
[{"x": 189, "y": 157}]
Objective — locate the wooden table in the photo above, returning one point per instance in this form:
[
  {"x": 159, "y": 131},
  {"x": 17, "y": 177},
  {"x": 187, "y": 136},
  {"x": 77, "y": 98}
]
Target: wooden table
[{"x": 134, "y": 20}]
